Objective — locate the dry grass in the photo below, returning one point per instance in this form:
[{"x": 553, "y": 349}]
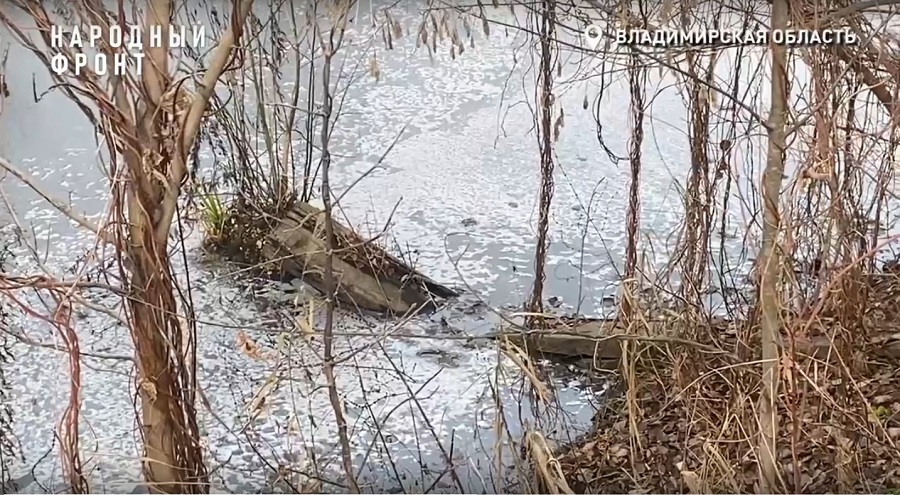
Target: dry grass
[{"x": 696, "y": 416}]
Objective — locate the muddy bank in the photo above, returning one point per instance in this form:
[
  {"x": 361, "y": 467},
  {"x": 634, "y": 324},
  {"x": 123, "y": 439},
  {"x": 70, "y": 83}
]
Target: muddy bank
[{"x": 838, "y": 376}]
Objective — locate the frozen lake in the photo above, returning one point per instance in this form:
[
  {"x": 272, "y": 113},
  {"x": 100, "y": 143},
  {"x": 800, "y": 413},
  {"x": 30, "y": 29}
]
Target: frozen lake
[{"x": 462, "y": 184}]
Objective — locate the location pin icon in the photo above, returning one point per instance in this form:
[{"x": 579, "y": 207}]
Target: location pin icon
[{"x": 592, "y": 36}]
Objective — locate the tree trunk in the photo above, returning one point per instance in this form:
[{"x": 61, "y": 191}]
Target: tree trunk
[
  {"x": 163, "y": 340},
  {"x": 637, "y": 80},
  {"x": 173, "y": 460},
  {"x": 145, "y": 127},
  {"x": 545, "y": 143},
  {"x": 770, "y": 260},
  {"x": 366, "y": 276}
]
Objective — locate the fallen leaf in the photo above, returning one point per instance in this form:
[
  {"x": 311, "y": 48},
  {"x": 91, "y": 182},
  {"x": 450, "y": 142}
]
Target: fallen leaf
[
  {"x": 693, "y": 482},
  {"x": 256, "y": 405},
  {"x": 248, "y": 347},
  {"x": 307, "y": 325},
  {"x": 618, "y": 451}
]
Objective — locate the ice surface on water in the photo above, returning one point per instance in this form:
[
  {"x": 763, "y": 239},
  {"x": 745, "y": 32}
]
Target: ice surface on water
[
  {"x": 448, "y": 394},
  {"x": 447, "y": 155}
]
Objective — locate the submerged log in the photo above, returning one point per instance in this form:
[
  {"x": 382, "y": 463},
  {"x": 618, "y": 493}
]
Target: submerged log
[
  {"x": 601, "y": 339},
  {"x": 574, "y": 338},
  {"x": 367, "y": 276}
]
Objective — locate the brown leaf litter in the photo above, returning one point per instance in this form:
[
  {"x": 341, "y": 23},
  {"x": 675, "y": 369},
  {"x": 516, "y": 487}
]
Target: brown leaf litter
[{"x": 838, "y": 415}]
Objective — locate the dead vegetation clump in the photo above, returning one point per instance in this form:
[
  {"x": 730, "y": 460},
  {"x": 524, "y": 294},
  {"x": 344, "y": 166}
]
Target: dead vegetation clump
[
  {"x": 690, "y": 426},
  {"x": 243, "y": 231}
]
